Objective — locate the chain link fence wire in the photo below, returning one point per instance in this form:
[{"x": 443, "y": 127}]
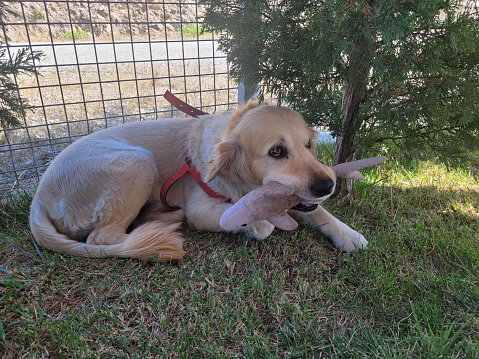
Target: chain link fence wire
[{"x": 105, "y": 63}]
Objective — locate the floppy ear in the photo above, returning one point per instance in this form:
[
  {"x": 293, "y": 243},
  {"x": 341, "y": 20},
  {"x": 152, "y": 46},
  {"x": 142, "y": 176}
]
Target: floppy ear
[
  {"x": 228, "y": 160},
  {"x": 313, "y": 136}
]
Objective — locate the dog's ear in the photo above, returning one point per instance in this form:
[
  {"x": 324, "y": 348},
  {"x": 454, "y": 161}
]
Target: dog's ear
[
  {"x": 228, "y": 160},
  {"x": 313, "y": 136}
]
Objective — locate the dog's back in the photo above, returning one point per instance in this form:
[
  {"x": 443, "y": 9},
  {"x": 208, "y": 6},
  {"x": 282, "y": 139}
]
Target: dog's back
[{"x": 94, "y": 189}]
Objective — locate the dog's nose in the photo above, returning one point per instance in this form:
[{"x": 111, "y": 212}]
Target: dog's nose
[{"x": 322, "y": 187}]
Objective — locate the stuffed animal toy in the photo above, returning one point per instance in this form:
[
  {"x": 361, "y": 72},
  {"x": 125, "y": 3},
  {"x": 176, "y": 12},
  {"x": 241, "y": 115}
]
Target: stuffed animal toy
[{"x": 271, "y": 201}]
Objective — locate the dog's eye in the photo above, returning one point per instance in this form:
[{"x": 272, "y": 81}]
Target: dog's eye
[
  {"x": 308, "y": 145},
  {"x": 277, "y": 151}
]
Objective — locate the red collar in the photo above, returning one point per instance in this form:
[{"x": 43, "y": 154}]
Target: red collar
[{"x": 191, "y": 169}]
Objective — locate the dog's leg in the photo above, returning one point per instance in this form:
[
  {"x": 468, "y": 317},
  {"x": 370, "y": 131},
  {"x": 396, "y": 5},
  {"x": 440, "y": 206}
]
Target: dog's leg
[
  {"x": 342, "y": 235},
  {"x": 120, "y": 210},
  {"x": 156, "y": 212},
  {"x": 125, "y": 187}
]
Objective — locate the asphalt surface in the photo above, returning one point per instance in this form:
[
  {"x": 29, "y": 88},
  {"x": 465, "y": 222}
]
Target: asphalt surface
[{"x": 67, "y": 53}]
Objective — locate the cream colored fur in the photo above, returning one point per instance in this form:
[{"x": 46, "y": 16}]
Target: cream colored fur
[{"x": 94, "y": 190}]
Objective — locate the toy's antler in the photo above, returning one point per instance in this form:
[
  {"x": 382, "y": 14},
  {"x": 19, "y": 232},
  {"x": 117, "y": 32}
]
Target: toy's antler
[
  {"x": 272, "y": 200},
  {"x": 350, "y": 169}
]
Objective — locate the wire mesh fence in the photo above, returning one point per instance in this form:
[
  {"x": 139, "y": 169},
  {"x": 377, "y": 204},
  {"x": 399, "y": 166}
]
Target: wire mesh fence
[{"x": 104, "y": 63}]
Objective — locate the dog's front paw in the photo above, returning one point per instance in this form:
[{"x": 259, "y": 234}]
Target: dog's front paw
[
  {"x": 258, "y": 230},
  {"x": 351, "y": 241}
]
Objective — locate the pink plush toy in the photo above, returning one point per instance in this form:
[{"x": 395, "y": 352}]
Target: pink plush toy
[{"x": 272, "y": 200}]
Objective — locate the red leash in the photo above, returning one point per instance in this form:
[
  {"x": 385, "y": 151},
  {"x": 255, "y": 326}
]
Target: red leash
[
  {"x": 182, "y": 106},
  {"x": 191, "y": 169},
  {"x": 188, "y": 167}
]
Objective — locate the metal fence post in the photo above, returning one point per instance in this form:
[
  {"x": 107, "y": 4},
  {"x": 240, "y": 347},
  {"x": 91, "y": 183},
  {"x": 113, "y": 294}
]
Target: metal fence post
[{"x": 246, "y": 93}]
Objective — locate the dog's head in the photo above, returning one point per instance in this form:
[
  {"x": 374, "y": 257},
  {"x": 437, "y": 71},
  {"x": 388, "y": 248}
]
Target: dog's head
[{"x": 272, "y": 144}]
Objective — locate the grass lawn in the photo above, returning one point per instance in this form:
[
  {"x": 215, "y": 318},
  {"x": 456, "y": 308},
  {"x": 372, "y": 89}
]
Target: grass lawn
[{"x": 413, "y": 293}]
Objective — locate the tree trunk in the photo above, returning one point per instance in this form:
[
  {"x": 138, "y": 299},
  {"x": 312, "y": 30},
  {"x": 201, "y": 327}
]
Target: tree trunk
[{"x": 354, "y": 95}]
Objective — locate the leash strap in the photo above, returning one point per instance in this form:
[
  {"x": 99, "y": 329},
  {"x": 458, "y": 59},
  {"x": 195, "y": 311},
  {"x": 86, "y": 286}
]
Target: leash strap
[
  {"x": 169, "y": 182},
  {"x": 182, "y": 106},
  {"x": 186, "y": 168}
]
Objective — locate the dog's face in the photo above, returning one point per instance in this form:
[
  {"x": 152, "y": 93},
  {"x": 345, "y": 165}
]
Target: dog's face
[{"x": 273, "y": 144}]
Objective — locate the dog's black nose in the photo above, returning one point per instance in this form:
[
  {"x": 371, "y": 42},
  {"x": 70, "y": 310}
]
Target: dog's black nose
[{"x": 322, "y": 187}]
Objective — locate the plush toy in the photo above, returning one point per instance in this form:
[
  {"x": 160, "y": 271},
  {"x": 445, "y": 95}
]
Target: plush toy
[{"x": 271, "y": 201}]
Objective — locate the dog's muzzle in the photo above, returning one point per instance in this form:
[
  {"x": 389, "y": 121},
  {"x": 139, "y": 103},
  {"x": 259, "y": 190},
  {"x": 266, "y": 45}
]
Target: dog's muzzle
[{"x": 320, "y": 187}]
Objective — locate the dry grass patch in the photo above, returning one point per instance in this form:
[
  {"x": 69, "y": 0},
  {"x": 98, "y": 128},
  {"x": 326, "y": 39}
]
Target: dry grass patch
[{"x": 74, "y": 101}]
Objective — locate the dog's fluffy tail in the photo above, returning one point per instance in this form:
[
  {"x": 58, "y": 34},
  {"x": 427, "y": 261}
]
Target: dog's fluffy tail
[{"x": 151, "y": 240}]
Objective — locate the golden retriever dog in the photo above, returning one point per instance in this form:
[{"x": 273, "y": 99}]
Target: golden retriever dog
[{"x": 101, "y": 195}]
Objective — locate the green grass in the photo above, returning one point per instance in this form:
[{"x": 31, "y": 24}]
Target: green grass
[{"x": 413, "y": 293}]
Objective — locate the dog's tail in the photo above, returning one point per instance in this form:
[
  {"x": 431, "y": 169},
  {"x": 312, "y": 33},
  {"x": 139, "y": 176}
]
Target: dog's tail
[{"x": 151, "y": 240}]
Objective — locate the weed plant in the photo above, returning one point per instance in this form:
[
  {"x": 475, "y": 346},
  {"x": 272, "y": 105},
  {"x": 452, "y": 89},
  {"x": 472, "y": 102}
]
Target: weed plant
[{"x": 38, "y": 14}]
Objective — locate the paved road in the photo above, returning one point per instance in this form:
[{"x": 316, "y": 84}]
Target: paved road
[{"x": 100, "y": 52}]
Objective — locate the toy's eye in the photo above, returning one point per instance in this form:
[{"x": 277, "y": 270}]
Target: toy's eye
[{"x": 277, "y": 151}]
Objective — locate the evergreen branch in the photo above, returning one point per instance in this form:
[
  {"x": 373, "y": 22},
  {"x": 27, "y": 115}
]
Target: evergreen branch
[
  {"x": 385, "y": 138},
  {"x": 12, "y": 105},
  {"x": 236, "y": 7},
  {"x": 450, "y": 129}
]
